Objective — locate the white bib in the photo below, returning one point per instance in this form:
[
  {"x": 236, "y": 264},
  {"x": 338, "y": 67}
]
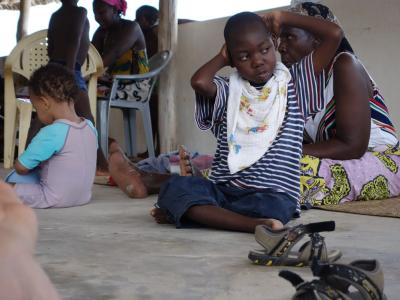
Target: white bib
[{"x": 254, "y": 117}]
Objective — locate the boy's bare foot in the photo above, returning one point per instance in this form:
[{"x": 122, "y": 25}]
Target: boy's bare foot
[
  {"x": 272, "y": 223},
  {"x": 184, "y": 162},
  {"x": 159, "y": 216},
  {"x": 125, "y": 175}
]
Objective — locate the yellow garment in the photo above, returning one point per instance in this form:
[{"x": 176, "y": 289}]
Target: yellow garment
[{"x": 131, "y": 62}]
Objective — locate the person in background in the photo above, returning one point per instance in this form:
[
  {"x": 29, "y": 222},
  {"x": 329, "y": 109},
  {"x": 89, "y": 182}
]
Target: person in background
[
  {"x": 68, "y": 44},
  {"x": 351, "y": 150},
  {"x": 120, "y": 42},
  {"x": 147, "y": 18}
]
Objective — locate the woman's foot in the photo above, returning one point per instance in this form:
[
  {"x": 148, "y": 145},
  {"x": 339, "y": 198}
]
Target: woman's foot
[
  {"x": 100, "y": 172},
  {"x": 159, "y": 216},
  {"x": 125, "y": 175}
]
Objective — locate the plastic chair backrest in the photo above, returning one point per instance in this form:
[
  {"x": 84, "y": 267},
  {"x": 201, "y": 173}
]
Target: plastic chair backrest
[
  {"x": 31, "y": 53},
  {"x": 28, "y": 55},
  {"x": 159, "y": 61},
  {"x": 139, "y": 86}
]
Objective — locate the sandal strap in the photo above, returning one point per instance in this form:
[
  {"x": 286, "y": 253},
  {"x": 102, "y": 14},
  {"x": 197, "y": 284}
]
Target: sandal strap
[
  {"x": 315, "y": 289},
  {"x": 288, "y": 241},
  {"x": 318, "y": 289},
  {"x": 346, "y": 273},
  {"x": 295, "y": 234},
  {"x": 317, "y": 246}
]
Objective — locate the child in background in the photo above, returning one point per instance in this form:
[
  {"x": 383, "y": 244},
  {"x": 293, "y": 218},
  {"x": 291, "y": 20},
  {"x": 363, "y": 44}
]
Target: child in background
[
  {"x": 257, "y": 117},
  {"x": 58, "y": 167},
  {"x": 68, "y": 45}
]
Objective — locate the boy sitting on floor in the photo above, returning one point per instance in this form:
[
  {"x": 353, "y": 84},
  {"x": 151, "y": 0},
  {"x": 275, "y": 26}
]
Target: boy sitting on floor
[{"x": 257, "y": 117}]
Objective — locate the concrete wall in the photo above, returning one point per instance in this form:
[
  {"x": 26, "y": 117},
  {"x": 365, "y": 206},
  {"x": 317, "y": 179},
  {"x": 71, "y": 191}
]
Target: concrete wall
[{"x": 372, "y": 27}]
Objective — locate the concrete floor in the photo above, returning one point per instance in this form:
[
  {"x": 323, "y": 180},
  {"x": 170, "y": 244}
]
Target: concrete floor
[{"x": 112, "y": 249}]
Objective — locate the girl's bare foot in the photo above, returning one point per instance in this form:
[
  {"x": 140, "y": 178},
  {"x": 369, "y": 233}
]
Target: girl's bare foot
[
  {"x": 125, "y": 175},
  {"x": 159, "y": 216}
]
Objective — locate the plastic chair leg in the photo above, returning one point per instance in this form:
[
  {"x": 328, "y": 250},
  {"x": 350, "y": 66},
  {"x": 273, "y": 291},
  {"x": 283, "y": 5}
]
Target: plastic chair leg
[
  {"x": 10, "y": 117},
  {"x": 103, "y": 108},
  {"x": 132, "y": 131},
  {"x": 148, "y": 129},
  {"x": 25, "y": 115},
  {"x": 127, "y": 134}
]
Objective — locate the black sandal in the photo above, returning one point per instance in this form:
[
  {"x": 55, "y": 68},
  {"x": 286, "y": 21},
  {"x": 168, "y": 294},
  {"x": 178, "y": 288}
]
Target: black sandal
[{"x": 365, "y": 276}]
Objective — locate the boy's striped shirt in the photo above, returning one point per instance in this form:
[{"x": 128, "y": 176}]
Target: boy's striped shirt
[{"x": 279, "y": 168}]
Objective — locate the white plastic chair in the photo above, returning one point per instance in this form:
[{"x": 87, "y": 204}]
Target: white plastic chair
[
  {"x": 28, "y": 55},
  {"x": 130, "y": 105}
]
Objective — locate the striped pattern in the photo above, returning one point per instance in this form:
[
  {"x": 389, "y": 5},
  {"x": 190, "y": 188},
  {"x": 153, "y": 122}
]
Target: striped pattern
[
  {"x": 279, "y": 168},
  {"x": 379, "y": 113}
]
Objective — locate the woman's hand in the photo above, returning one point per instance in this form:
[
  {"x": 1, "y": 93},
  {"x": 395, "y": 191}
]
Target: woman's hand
[
  {"x": 273, "y": 20},
  {"x": 105, "y": 79}
]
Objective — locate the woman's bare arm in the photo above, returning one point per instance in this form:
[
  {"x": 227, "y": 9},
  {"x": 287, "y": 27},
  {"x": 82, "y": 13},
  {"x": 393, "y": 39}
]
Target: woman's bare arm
[{"x": 353, "y": 116}]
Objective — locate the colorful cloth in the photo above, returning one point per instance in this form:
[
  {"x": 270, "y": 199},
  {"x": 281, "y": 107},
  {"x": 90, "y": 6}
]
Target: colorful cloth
[
  {"x": 120, "y": 5},
  {"x": 65, "y": 155},
  {"x": 131, "y": 62},
  {"x": 278, "y": 169},
  {"x": 322, "y": 126},
  {"x": 254, "y": 117},
  {"x": 374, "y": 176}
]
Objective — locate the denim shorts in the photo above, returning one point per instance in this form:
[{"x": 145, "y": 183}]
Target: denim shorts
[{"x": 182, "y": 192}]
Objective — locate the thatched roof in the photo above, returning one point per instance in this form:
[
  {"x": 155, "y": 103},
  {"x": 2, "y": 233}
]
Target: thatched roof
[{"x": 14, "y": 4}]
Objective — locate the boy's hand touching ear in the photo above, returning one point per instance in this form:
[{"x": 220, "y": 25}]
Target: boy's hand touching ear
[{"x": 225, "y": 54}]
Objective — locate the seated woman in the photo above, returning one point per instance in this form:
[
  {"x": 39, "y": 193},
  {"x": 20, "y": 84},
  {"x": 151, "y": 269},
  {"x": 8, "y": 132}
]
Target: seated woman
[
  {"x": 353, "y": 151},
  {"x": 120, "y": 42}
]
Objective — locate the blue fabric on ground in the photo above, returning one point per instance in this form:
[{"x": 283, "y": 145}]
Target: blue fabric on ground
[
  {"x": 160, "y": 164},
  {"x": 180, "y": 193},
  {"x": 32, "y": 177}
]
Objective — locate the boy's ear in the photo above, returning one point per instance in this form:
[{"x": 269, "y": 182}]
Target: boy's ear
[
  {"x": 316, "y": 43},
  {"x": 229, "y": 56}
]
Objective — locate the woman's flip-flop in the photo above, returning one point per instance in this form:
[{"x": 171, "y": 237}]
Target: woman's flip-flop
[
  {"x": 364, "y": 276},
  {"x": 185, "y": 165},
  {"x": 104, "y": 180},
  {"x": 278, "y": 244}
]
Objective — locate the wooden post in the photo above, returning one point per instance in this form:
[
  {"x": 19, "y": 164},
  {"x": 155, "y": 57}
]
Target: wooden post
[
  {"x": 168, "y": 40},
  {"x": 24, "y": 7}
]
